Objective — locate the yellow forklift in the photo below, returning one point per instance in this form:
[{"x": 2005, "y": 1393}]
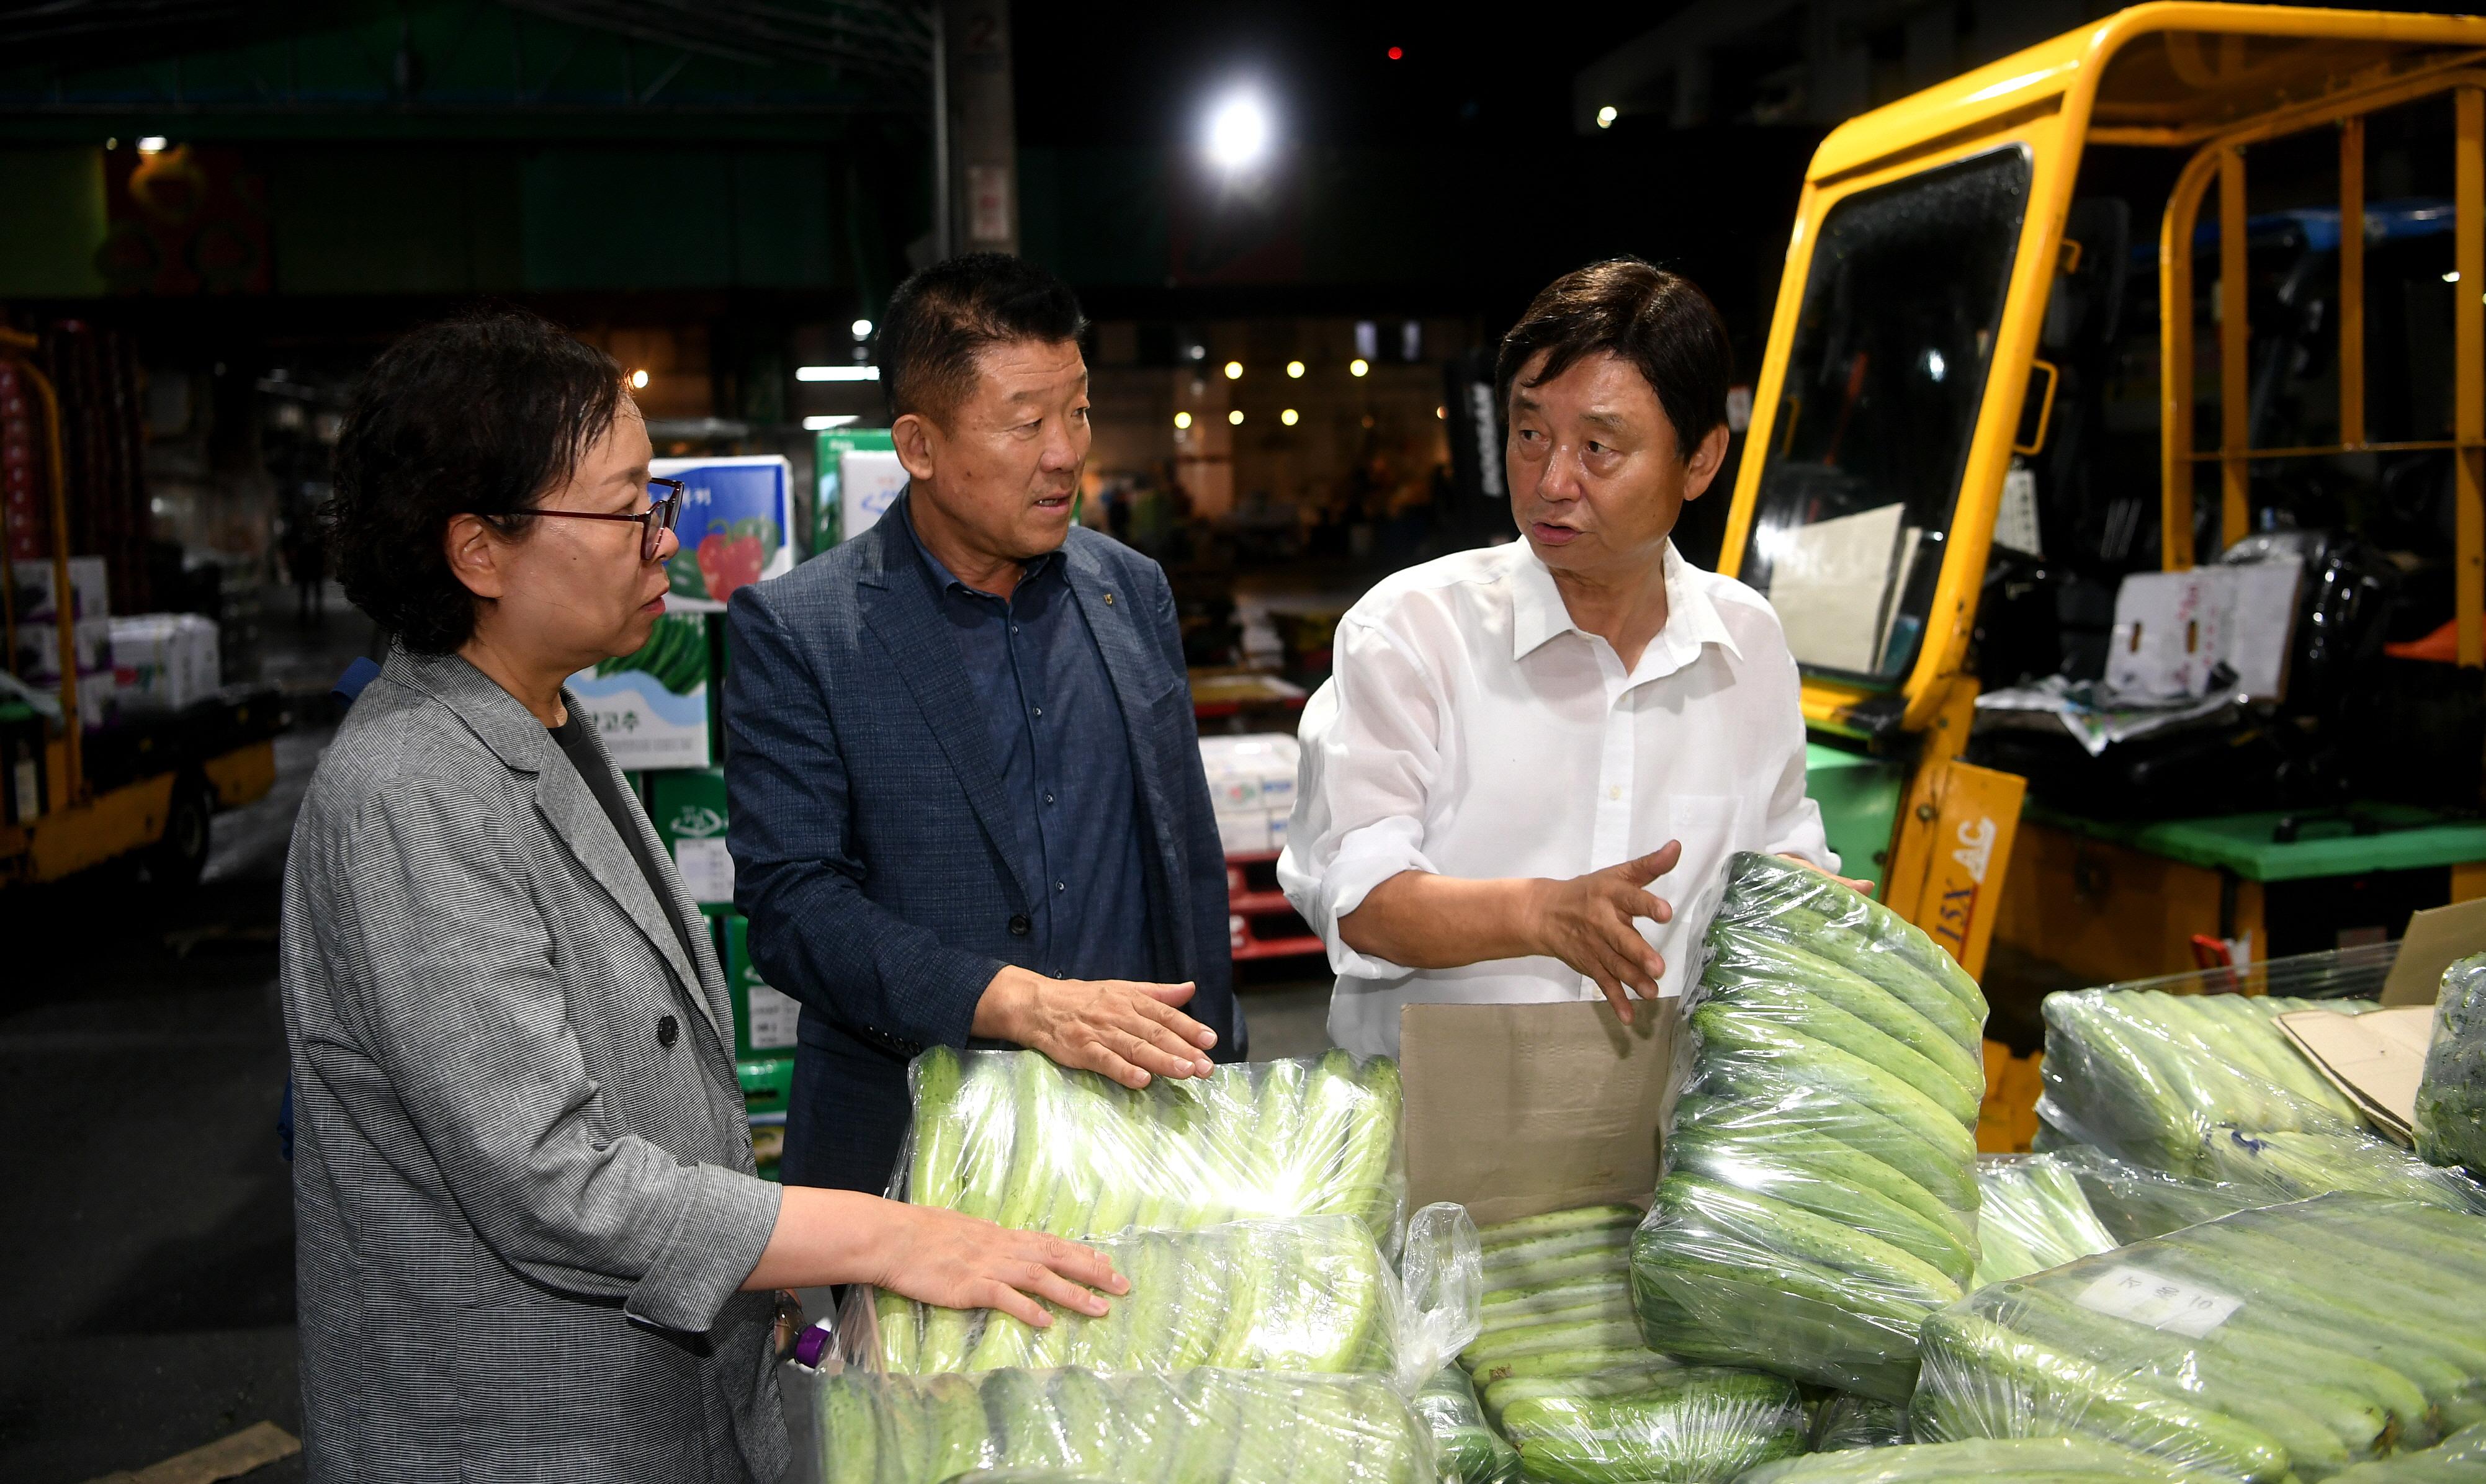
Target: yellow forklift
[
  {"x": 1942, "y": 253},
  {"x": 139, "y": 793}
]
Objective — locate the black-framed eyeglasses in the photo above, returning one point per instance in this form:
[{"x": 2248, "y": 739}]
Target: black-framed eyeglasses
[{"x": 663, "y": 510}]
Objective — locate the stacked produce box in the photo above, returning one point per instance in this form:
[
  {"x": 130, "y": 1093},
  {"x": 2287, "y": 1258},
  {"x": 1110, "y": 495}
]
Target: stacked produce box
[{"x": 660, "y": 715}]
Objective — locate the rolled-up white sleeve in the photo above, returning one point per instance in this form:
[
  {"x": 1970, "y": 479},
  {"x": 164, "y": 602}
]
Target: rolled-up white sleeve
[{"x": 1371, "y": 750}]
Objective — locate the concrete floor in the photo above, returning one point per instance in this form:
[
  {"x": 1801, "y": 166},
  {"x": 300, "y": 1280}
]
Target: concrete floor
[{"x": 150, "y": 1245}]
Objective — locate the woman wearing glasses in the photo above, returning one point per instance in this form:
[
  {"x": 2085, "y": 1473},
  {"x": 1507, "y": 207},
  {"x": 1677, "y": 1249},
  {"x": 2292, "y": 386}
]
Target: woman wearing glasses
[{"x": 529, "y": 1239}]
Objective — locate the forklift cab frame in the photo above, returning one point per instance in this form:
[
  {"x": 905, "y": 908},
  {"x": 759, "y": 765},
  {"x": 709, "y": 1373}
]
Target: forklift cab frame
[{"x": 1938, "y": 224}]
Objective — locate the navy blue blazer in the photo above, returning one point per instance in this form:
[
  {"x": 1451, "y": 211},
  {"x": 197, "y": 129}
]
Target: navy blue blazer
[{"x": 869, "y": 834}]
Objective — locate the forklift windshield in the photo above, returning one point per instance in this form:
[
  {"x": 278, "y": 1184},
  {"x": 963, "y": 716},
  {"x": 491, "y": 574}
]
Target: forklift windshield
[{"x": 1902, "y": 305}]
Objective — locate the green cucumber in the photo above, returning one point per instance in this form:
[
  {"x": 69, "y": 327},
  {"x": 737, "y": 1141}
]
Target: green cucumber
[{"x": 1767, "y": 958}]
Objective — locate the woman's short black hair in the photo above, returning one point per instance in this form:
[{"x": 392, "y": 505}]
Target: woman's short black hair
[
  {"x": 939, "y": 321},
  {"x": 1659, "y": 322},
  {"x": 484, "y": 415}
]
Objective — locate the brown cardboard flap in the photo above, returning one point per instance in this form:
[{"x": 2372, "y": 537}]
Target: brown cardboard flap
[
  {"x": 1517, "y": 1110},
  {"x": 2435, "y": 938},
  {"x": 2377, "y": 1058}
]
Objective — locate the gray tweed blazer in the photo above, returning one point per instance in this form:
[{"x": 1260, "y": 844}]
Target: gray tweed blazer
[{"x": 522, "y": 1205}]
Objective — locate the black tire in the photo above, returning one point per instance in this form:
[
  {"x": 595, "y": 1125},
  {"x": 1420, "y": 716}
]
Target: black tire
[{"x": 176, "y": 860}]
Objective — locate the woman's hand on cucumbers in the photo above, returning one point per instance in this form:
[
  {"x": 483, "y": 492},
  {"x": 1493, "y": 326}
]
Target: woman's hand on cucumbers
[{"x": 960, "y": 1261}]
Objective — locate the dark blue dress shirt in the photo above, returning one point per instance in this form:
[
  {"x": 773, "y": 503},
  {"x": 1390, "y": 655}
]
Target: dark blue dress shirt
[{"x": 1066, "y": 764}]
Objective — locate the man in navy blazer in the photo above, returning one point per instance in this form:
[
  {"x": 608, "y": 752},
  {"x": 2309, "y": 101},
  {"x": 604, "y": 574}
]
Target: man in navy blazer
[{"x": 966, "y": 797}]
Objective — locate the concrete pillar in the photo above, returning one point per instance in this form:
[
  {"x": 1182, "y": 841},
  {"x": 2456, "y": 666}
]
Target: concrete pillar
[{"x": 984, "y": 138}]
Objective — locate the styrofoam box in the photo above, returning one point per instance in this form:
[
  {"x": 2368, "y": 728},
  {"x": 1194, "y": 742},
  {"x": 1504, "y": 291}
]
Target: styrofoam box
[
  {"x": 165, "y": 661},
  {"x": 36, "y": 603}
]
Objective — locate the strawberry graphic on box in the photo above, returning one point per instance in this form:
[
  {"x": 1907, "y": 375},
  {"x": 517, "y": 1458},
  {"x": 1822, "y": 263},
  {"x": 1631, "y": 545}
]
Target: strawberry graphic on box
[{"x": 727, "y": 561}]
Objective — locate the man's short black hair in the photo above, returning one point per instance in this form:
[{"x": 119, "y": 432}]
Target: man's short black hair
[
  {"x": 484, "y": 415},
  {"x": 939, "y": 321},
  {"x": 1659, "y": 322}
]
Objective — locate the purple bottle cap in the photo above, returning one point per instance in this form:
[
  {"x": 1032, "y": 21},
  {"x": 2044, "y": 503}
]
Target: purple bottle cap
[{"x": 812, "y": 1346}]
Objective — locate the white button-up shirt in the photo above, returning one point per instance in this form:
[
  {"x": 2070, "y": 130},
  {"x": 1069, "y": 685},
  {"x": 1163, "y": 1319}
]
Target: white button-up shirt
[{"x": 1471, "y": 729}]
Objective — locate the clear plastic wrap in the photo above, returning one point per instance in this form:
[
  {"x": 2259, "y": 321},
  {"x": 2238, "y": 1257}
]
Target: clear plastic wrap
[
  {"x": 2451, "y": 1101},
  {"x": 1844, "y": 1420},
  {"x": 2288, "y": 1340},
  {"x": 2147, "y": 1075},
  {"x": 1466, "y": 1450},
  {"x": 2293, "y": 1166},
  {"x": 1699, "y": 1423},
  {"x": 1205, "y": 1426},
  {"x": 2459, "y": 1459},
  {"x": 2333, "y": 973},
  {"x": 2010, "y": 1460},
  {"x": 1558, "y": 1296},
  {"x": 2134, "y": 1202},
  {"x": 1013, "y": 1138},
  {"x": 1309, "y": 1295},
  {"x": 1820, "y": 1193},
  {"x": 2031, "y": 1215}
]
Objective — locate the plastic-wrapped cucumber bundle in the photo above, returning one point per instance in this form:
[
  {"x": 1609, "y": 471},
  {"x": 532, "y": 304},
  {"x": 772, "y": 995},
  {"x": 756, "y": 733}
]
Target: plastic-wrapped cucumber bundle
[
  {"x": 2147, "y": 1075},
  {"x": 2134, "y": 1202},
  {"x": 2293, "y": 1339},
  {"x": 1701, "y": 1423},
  {"x": 2031, "y": 1216},
  {"x": 1309, "y": 1295},
  {"x": 2292, "y": 1165},
  {"x": 1557, "y": 1297},
  {"x": 2451, "y": 1101},
  {"x": 2023, "y": 1460},
  {"x": 1565, "y": 1377},
  {"x": 1205, "y": 1426},
  {"x": 1465, "y": 1449},
  {"x": 2459, "y": 1459},
  {"x": 1820, "y": 1195},
  {"x": 1844, "y": 1420},
  {"x": 1013, "y": 1138}
]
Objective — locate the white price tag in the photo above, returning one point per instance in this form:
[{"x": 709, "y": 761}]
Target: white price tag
[
  {"x": 2161, "y": 1303},
  {"x": 706, "y": 867},
  {"x": 773, "y": 1014}
]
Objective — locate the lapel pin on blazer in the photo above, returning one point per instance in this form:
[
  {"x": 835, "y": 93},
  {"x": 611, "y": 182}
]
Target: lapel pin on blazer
[{"x": 1108, "y": 600}]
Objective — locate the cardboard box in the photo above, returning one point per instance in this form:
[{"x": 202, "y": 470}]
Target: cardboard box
[
  {"x": 688, "y": 808},
  {"x": 651, "y": 707},
  {"x": 828, "y": 503},
  {"x": 2436, "y": 938},
  {"x": 736, "y": 526},
  {"x": 165, "y": 662},
  {"x": 763, "y": 1018},
  {"x": 1517, "y": 1110},
  {"x": 36, "y": 601}
]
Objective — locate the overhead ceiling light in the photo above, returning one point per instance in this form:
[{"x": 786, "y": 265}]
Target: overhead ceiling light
[
  {"x": 1289, "y": 417},
  {"x": 1295, "y": 369},
  {"x": 1236, "y": 416},
  {"x": 837, "y": 374},
  {"x": 638, "y": 378},
  {"x": 821, "y": 424},
  {"x": 1238, "y": 133},
  {"x": 862, "y": 329},
  {"x": 1234, "y": 370},
  {"x": 1607, "y": 116},
  {"x": 1357, "y": 367},
  {"x": 1182, "y": 420},
  {"x": 152, "y": 144}
]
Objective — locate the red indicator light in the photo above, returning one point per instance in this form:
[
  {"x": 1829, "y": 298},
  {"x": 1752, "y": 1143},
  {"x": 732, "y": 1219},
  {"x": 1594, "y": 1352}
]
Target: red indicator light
[{"x": 1395, "y": 53}]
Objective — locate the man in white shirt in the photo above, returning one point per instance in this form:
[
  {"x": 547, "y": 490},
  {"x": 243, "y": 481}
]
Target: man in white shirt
[{"x": 1518, "y": 741}]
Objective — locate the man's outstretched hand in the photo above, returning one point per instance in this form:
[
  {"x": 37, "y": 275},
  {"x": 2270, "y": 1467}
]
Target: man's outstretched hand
[
  {"x": 1127, "y": 1030},
  {"x": 1587, "y": 923}
]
